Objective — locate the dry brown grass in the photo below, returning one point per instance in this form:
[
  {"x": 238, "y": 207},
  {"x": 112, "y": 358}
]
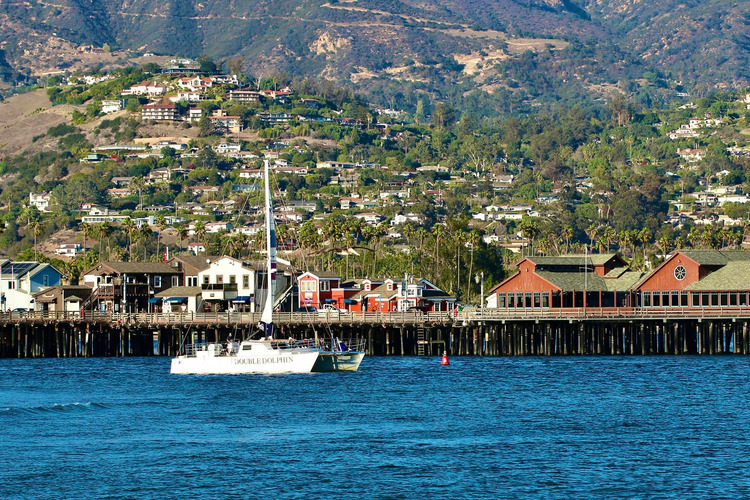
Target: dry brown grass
[{"x": 25, "y": 116}]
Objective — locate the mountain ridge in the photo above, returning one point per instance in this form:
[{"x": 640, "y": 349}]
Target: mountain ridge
[{"x": 360, "y": 42}]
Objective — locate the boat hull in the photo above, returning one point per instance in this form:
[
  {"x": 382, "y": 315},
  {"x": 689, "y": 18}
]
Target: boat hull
[
  {"x": 338, "y": 361},
  {"x": 268, "y": 363}
]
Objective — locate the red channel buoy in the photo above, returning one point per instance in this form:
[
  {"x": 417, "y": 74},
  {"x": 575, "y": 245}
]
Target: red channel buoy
[{"x": 445, "y": 361}]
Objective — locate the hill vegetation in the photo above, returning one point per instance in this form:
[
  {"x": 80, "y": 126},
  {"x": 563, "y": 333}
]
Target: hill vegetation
[{"x": 448, "y": 193}]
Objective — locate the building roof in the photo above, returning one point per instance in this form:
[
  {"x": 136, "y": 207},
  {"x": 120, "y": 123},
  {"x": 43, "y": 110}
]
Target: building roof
[
  {"x": 575, "y": 259},
  {"x": 568, "y": 281},
  {"x": 180, "y": 291},
  {"x": 735, "y": 275},
  {"x": 136, "y": 267},
  {"x": 716, "y": 257}
]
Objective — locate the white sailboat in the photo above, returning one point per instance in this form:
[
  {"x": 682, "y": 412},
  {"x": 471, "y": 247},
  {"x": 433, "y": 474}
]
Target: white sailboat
[{"x": 266, "y": 356}]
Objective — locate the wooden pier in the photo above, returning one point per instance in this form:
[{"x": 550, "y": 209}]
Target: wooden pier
[{"x": 470, "y": 332}]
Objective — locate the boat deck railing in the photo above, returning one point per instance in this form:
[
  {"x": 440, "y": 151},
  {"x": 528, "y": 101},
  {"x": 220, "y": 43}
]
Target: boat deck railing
[{"x": 342, "y": 345}]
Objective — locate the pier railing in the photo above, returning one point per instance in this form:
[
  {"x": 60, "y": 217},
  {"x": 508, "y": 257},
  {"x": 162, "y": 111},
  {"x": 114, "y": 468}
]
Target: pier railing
[{"x": 466, "y": 316}]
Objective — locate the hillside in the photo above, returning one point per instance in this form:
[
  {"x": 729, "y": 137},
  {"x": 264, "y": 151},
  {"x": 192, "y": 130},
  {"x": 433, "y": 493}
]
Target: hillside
[{"x": 394, "y": 49}]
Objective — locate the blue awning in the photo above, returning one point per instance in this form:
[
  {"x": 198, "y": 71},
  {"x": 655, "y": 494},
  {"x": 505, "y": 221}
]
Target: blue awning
[
  {"x": 154, "y": 300},
  {"x": 330, "y": 300},
  {"x": 176, "y": 299},
  {"x": 241, "y": 299},
  {"x": 349, "y": 301}
]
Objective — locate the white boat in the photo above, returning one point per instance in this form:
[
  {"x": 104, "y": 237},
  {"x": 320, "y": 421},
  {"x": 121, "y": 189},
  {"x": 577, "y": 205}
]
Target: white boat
[
  {"x": 266, "y": 356},
  {"x": 340, "y": 356}
]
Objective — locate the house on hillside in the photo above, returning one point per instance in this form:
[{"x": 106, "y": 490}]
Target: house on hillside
[{"x": 159, "y": 112}]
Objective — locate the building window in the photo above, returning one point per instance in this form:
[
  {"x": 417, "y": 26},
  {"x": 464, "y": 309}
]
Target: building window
[
  {"x": 680, "y": 272},
  {"x": 325, "y": 286},
  {"x": 232, "y": 279},
  {"x": 545, "y": 299},
  {"x": 657, "y": 299},
  {"x": 157, "y": 281},
  {"x": 683, "y": 299},
  {"x": 527, "y": 299},
  {"x": 205, "y": 280},
  {"x": 11, "y": 285},
  {"x": 246, "y": 281},
  {"x": 501, "y": 301},
  {"x": 175, "y": 281},
  {"x": 733, "y": 299},
  {"x": 665, "y": 299},
  {"x": 675, "y": 299},
  {"x": 743, "y": 299},
  {"x": 308, "y": 286},
  {"x": 219, "y": 279},
  {"x": 537, "y": 300},
  {"x": 723, "y": 299},
  {"x": 646, "y": 298},
  {"x": 714, "y": 299},
  {"x": 511, "y": 300},
  {"x": 45, "y": 280},
  {"x": 704, "y": 299},
  {"x": 696, "y": 299}
]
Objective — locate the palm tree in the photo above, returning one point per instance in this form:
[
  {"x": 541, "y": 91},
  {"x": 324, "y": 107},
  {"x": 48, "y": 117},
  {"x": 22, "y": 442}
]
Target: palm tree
[
  {"x": 664, "y": 244},
  {"x": 130, "y": 227},
  {"x": 161, "y": 223},
  {"x": 567, "y": 234},
  {"x": 86, "y": 230},
  {"x": 439, "y": 232},
  {"x": 182, "y": 232},
  {"x": 593, "y": 233},
  {"x": 529, "y": 229},
  {"x": 37, "y": 229},
  {"x": 105, "y": 229},
  {"x": 472, "y": 239},
  {"x": 138, "y": 184},
  {"x": 644, "y": 237},
  {"x": 200, "y": 230},
  {"x": 146, "y": 233}
]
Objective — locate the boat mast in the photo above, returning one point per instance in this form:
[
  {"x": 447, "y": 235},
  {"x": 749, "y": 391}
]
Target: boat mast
[{"x": 266, "y": 318}]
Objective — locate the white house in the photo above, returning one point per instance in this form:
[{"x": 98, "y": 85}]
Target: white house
[
  {"x": 68, "y": 249},
  {"x": 19, "y": 280},
  {"x": 228, "y": 147},
  {"x": 112, "y": 105},
  {"x": 40, "y": 201},
  {"x": 228, "y": 284}
]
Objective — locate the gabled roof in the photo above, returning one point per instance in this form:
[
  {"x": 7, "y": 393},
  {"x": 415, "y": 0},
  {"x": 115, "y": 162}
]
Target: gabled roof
[
  {"x": 135, "y": 268},
  {"x": 180, "y": 291},
  {"x": 321, "y": 274},
  {"x": 575, "y": 259},
  {"x": 735, "y": 275},
  {"x": 195, "y": 262}
]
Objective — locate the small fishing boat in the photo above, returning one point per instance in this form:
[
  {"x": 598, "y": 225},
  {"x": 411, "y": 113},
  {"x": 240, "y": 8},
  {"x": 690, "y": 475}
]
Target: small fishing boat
[{"x": 339, "y": 355}]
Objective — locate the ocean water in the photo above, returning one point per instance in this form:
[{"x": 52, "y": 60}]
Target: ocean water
[{"x": 584, "y": 427}]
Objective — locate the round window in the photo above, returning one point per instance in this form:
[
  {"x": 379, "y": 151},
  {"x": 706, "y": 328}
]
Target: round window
[{"x": 680, "y": 273}]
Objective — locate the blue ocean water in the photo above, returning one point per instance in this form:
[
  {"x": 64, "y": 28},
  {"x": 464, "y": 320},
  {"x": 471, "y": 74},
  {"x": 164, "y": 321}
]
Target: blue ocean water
[{"x": 614, "y": 427}]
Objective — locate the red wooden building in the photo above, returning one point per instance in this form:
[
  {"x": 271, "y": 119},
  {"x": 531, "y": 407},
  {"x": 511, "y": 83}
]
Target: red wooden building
[
  {"x": 697, "y": 279},
  {"x": 568, "y": 281}
]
